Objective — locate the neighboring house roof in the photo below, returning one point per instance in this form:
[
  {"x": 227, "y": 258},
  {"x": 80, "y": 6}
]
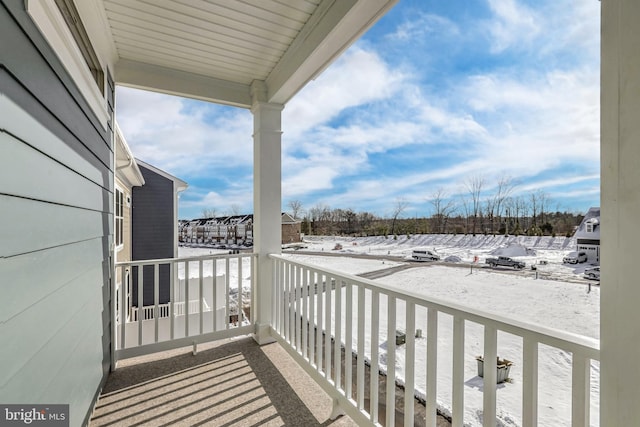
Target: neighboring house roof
[
  {"x": 288, "y": 219},
  {"x": 127, "y": 169},
  {"x": 590, "y": 221},
  {"x": 180, "y": 184}
]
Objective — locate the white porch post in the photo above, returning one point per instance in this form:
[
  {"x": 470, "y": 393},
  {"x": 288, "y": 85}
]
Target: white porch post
[
  {"x": 267, "y": 234},
  {"x": 620, "y": 199}
]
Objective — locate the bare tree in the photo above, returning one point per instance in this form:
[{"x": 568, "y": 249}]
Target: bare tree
[
  {"x": 209, "y": 213},
  {"x": 443, "y": 208},
  {"x": 495, "y": 203},
  {"x": 543, "y": 201},
  {"x": 296, "y": 208},
  {"x": 474, "y": 186},
  {"x": 521, "y": 213},
  {"x": 466, "y": 208},
  {"x": 400, "y": 206}
]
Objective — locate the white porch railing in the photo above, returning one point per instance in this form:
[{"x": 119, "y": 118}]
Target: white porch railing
[
  {"x": 315, "y": 308},
  {"x": 164, "y": 310},
  {"x": 220, "y": 294}
]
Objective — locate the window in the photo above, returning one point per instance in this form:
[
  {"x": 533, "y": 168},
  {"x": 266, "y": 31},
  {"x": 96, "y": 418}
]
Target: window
[
  {"x": 72, "y": 18},
  {"x": 119, "y": 217}
]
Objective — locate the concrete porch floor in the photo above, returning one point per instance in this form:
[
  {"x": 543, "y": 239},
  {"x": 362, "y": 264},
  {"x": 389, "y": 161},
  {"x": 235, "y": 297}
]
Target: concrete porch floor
[{"x": 227, "y": 383}]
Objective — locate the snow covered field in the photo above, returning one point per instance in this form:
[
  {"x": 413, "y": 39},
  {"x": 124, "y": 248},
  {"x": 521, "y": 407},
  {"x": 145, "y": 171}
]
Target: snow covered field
[
  {"x": 563, "y": 304},
  {"x": 530, "y": 249}
]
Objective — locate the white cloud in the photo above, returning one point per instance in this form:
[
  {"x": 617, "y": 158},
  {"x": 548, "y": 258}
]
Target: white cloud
[
  {"x": 358, "y": 78},
  {"x": 513, "y": 25},
  {"x": 308, "y": 179},
  {"x": 425, "y": 25},
  {"x": 184, "y": 136}
]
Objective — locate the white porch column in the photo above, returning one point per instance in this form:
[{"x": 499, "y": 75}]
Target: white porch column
[
  {"x": 620, "y": 213},
  {"x": 267, "y": 234}
]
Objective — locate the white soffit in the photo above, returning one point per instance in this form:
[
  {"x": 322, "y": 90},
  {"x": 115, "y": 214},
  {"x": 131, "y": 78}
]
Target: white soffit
[{"x": 213, "y": 50}]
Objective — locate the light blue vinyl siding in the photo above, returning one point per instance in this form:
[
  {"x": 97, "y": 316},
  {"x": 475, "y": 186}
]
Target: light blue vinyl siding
[{"x": 56, "y": 227}]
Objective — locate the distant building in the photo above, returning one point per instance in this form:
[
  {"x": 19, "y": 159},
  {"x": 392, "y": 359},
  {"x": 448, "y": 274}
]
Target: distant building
[
  {"x": 588, "y": 235},
  {"x": 291, "y": 229},
  {"x": 232, "y": 230}
]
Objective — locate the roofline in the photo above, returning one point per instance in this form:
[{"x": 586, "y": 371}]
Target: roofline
[
  {"x": 181, "y": 185},
  {"x": 136, "y": 179}
]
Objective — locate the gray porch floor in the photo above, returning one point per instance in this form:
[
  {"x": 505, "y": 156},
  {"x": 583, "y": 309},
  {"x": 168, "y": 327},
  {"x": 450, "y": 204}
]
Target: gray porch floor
[{"x": 227, "y": 383}]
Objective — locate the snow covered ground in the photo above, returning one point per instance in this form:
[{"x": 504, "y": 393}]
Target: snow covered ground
[
  {"x": 563, "y": 303},
  {"x": 530, "y": 249}
]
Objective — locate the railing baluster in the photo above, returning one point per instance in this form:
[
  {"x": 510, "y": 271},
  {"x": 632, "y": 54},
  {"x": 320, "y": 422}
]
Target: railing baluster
[
  {"x": 360, "y": 359},
  {"x": 312, "y": 316},
  {"x": 298, "y": 308},
  {"x": 410, "y": 364},
  {"x": 294, "y": 308},
  {"x": 432, "y": 366},
  {"x": 580, "y": 389},
  {"x": 227, "y": 285},
  {"x": 320, "y": 325},
  {"x": 201, "y": 296},
  {"x": 156, "y": 300},
  {"x": 185, "y": 308},
  {"x": 291, "y": 304},
  {"x": 124, "y": 309},
  {"x": 240, "y": 311},
  {"x": 327, "y": 328},
  {"x": 374, "y": 394},
  {"x": 285, "y": 301},
  {"x": 279, "y": 313},
  {"x": 391, "y": 357},
  {"x": 140, "y": 303},
  {"x": 337, "y": 342},
  {"x": 490, "y": 376},
  {"x": 529, "y": 383},
  {"x": 173, "y": 273},
  {"x": 305, "y": 311},
  {"x": 457, "y": 412},
  {"x": 214, "y": 296},
  {"x": 348, "y": 341},
  {"x": 252, "y": 293}
]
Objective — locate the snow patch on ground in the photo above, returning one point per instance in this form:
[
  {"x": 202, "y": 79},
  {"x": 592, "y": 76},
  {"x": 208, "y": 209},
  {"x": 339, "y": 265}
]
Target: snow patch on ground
[{"x": 513, "y": 250}]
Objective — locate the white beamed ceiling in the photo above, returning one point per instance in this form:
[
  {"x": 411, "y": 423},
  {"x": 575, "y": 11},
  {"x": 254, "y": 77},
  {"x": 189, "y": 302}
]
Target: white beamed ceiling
[{"x": 215, "y": 49}]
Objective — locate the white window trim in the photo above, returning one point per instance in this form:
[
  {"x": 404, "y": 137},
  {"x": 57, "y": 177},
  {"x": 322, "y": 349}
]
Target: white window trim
[{"x": 49, "y": 20}]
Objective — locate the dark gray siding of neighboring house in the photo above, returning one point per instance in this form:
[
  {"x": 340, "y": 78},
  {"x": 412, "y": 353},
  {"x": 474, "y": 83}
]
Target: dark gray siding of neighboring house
[
  {"x": 153, "y": 231},
  {"x": 56, "y": 200}
]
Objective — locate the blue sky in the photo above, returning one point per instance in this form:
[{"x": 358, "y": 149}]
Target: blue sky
[{"x": 437, "y": 93}]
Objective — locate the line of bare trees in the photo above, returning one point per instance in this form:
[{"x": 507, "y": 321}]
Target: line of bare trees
[{"x": 477, "y": 209}]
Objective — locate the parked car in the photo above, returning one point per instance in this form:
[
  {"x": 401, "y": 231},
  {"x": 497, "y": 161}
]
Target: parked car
[
  {"x": 575, "y": 258},
  {"x": 592, "y": 273},
  {"x": 425, "y": 255},
  {"x": 504, "y": 261}
]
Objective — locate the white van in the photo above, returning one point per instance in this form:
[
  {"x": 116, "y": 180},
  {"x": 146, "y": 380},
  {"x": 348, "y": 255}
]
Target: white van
[{"x": 424, "y": 255}]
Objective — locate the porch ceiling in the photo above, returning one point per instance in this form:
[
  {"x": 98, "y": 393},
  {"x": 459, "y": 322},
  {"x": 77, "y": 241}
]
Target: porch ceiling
[{"x": 215, "y": 49}]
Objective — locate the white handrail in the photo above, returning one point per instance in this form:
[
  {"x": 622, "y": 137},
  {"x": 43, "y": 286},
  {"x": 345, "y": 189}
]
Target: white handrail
[
  {"x": 214, "y": 292},
  {"x": 327, "y": 291}
]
